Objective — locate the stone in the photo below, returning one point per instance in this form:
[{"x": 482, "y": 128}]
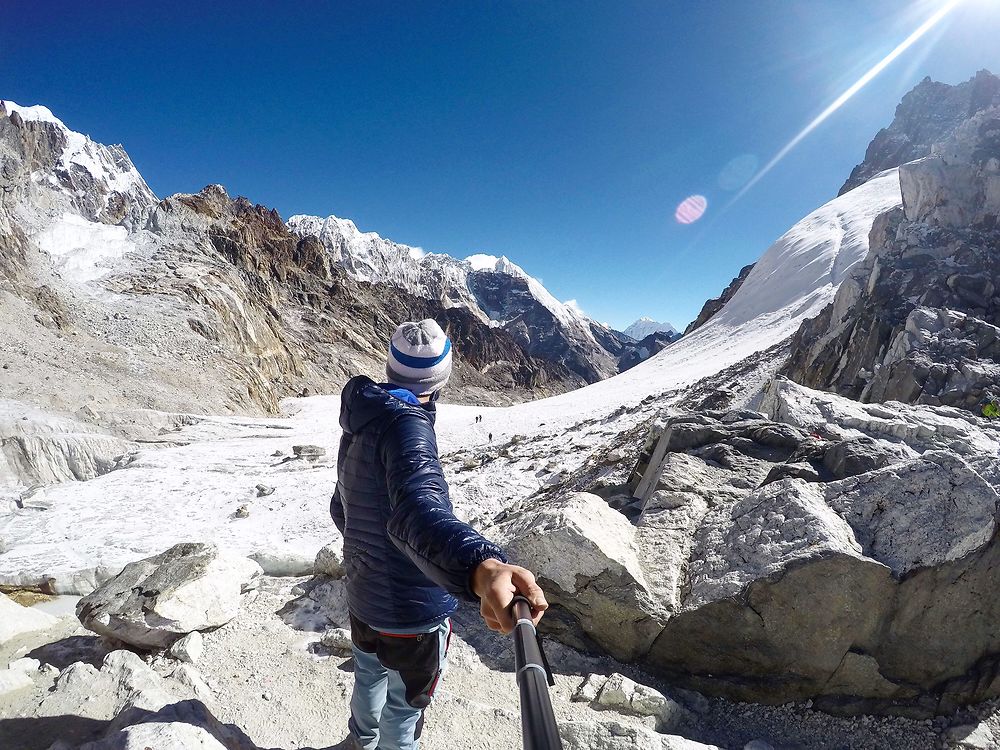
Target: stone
[
  {"x": 330, "y": 560},
  {"x": 12, "y": 680},
  {"x": 971, "y": 737},
  {"x": 154, "y": 602},
  {"x": 26, "y": 665},
  {"x": 589, "y": 688},
  {"x": 612, "y": 735},
  {"x": 338, "y": 640},
  {"x": 628, "y": 696},
  {"x": 758, "y": 745},
  {"x": 264, "y": 490},
  {"x": 582, "y": 550},
  {"x": 189, "y": 648},
  {"x": 242, "y": 512},
  {"x": 308, "y": 452},
  {"x": 16, "y": 620}
]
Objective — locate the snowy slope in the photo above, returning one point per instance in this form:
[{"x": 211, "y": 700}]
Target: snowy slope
[
  {"x": 645, "y": 326},
  {"x": 193, "y": 489}
]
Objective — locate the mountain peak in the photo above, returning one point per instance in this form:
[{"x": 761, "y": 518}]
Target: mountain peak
[{"x": 644, "y": 326}]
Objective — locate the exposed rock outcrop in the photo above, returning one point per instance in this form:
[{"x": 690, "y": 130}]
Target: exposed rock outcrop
[
  {"x": 854, "y": 576},
  {"x": 713, "y": 306},
  {"x": 154, "y": 602},
  {"x": 928, "y": 114},
  {"x": 919, "y": 320}
]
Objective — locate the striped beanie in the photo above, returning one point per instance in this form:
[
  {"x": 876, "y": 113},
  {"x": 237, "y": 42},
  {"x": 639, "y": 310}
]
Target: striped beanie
[{"x": 419, "y": 357}]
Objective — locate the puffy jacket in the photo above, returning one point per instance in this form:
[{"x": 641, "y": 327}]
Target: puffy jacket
[{"x": 405, "y": 553}]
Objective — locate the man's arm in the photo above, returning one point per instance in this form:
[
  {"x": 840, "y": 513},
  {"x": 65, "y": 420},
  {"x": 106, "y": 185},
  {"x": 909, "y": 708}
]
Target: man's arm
[
  {"x": 337, "y": 509},
  {"x": 422, "y": 524}
]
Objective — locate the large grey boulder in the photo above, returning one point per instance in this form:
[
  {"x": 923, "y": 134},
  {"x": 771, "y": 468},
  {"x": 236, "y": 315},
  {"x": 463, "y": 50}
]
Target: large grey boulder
[
  {"x": 584, "y": 554},
  {"x": 154, "y": 602}
]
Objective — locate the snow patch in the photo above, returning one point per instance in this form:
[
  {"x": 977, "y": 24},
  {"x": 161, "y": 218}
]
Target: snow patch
[{"x": 83, "y": 248}]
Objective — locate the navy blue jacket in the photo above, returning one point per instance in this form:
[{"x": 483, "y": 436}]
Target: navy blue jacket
[{"x": 406, "y": 554}]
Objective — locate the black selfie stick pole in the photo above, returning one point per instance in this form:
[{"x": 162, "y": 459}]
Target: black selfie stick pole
[{"x": 538, "y": 722}]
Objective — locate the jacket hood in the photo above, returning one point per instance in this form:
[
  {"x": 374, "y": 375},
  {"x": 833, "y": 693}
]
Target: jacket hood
[{"x": 364, "y": 401}]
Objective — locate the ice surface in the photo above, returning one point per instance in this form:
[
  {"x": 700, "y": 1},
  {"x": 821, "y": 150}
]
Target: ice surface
[{"x": 84, "y": 248}]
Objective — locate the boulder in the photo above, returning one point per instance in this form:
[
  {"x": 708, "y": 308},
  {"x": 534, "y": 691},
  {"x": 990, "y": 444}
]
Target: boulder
[
  {"x": 583, "y": 552},
  {"x": 15, "y": 619},
  {"x": 330, "y": 560},
  {"x": 154, "y": 602},
  {"x": 625, "y": 695},
  {"x": 188, "y": 649}
]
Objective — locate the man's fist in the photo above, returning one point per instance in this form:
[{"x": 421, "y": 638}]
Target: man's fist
[{"x": 495, "y": 583}]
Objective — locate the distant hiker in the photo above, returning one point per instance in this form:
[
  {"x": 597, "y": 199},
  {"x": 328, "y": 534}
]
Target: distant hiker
[
  {"x": 991, "y": 409},
  {"x": 407, "y": 557},
  {"x": 491, "y": 437}
]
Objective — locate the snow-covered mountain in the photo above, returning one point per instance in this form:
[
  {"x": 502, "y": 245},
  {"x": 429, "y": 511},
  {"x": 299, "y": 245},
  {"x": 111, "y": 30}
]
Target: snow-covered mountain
[
  {"x": 201, "y": 302},
  {"x": 493, "y": 288},
  {"x": 644, "y": 326}
]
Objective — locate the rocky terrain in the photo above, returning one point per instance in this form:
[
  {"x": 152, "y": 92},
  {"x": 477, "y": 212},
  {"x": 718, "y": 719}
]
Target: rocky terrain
[
  {"x": 919, "y": 320},
  {"x": 735, "y": 558},
  {"x": 712, "y": 306},
  {"x": 928, "y": 114}
]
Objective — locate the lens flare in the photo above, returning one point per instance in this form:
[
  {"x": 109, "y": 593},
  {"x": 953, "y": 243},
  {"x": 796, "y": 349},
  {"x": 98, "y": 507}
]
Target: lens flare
[
  {"x": 881, "y": 65},
  {"x": 738, "y": 171},
  {"x": 691, "y": 209}
]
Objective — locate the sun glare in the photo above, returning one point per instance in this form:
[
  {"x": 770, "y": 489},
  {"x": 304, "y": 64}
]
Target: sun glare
[{"x": 837, "y": 103}]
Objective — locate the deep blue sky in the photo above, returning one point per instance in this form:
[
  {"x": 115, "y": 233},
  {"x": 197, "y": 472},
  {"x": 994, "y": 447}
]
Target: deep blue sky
[{"x": 562, "y": 134}]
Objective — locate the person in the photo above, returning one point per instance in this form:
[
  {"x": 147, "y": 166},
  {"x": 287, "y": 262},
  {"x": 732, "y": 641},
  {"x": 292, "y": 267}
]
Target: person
[
  {"x": 407, "y": 557},
  {"x": 991, "y": 409}
]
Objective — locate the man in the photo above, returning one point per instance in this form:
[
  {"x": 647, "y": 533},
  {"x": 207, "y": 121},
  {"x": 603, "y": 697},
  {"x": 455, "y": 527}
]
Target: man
[{"x": 407, "y": 556}]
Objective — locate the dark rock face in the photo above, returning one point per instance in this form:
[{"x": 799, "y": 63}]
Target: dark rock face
[
  {"x": 919, "y": 321},
  {"x": 714, "y": 305},
  {"x": 928, "y": 114},
  {"x": 654, "y": 343},
  {"x": 534, "y": 327}
]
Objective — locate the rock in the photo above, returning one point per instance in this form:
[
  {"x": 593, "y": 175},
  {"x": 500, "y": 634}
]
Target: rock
[
  {"x": 263, "y": 490},
  {"x": 25, "y": 665},
  {"x": 242, "y": 512},
  {"x": 803, "y": 470},
  {"x": 584, "y": 553},
  {"x": 16, "y": 620},
  {"x": 154, "y": 602},
  {"x": 188, "y": 649},
  {"x": 713, "y": 306},
  {"x": 191, "y": 678},
  {"x": 308, "y": 452},
  {"x": 330, "y": 560},
  {"x": 758, "y": 745},
  {"x": 589, "y": 688},
  {"x": 12, "y": 680},
  {"x": 338, "y": 640},
  {"x": 628, "y": 696},
  {"x": 611, "y": 735},
  {"x": 971, "y": 737},
  {"x": 849, "y": 458}
]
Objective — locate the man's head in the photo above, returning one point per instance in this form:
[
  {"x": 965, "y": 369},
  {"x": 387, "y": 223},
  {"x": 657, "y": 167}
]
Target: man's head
[{"x": 419, "y": 358}]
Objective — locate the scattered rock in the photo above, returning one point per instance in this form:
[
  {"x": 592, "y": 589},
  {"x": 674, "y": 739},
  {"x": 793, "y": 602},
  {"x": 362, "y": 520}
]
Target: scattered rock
[
  {"x": 264, "y": 490},
  {"x": 589, "y": 688},
  {"x": 971, "y": 737},
  {"x": 155, "y": 601},
  {"x": 188, "y": 649},
  {"x": 308, "y": 452},
  {"x": 330, "y": 560},
  {"x": 628, "y": 696},
  {"x": 338, "y": 640},
  {"x": 242, "y": 512}
]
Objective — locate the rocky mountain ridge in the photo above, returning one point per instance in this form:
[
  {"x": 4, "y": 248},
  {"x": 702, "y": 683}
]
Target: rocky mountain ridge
[
  {"x": 497, "y": 291},
  {"x": 919, "y": 320}
]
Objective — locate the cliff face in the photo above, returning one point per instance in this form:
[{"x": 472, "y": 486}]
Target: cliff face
[
  {"x": 928, "y": 114},
  {"x": 713, "y": 306},
  {"x": 919, "y": 321}
]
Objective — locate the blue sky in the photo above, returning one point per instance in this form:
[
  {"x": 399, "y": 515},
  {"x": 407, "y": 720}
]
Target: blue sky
[{"x": 561, "y": 134}]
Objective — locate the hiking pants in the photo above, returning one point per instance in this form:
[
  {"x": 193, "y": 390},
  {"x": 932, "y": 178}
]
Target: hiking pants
[{"x": 395, "y": 675}]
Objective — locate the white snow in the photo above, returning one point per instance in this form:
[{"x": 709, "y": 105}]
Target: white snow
[
  {"x": 193, "y": 489},
  {"x": 482, "y": 262},
  {"x": 36, "y": 113},
  {"x": 83, "y": 248},
  {"x": 644, "y": 326}
]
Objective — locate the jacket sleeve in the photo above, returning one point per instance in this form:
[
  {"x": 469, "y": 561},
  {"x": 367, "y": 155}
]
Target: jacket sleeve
[
  {"x": 421, "y": 522},
  {"x": 336, "y": 504}
]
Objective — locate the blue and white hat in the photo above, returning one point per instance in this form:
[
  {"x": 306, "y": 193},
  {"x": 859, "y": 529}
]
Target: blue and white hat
[{"x": 419, "y": 357}]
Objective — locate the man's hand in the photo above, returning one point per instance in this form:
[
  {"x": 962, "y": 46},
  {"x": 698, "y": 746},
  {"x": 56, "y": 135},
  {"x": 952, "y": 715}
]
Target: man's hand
[{"x": 495, "y": 583}]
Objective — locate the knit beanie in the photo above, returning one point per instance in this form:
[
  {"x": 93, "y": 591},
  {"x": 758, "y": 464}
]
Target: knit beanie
[{"x": 419, "y": 357}]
